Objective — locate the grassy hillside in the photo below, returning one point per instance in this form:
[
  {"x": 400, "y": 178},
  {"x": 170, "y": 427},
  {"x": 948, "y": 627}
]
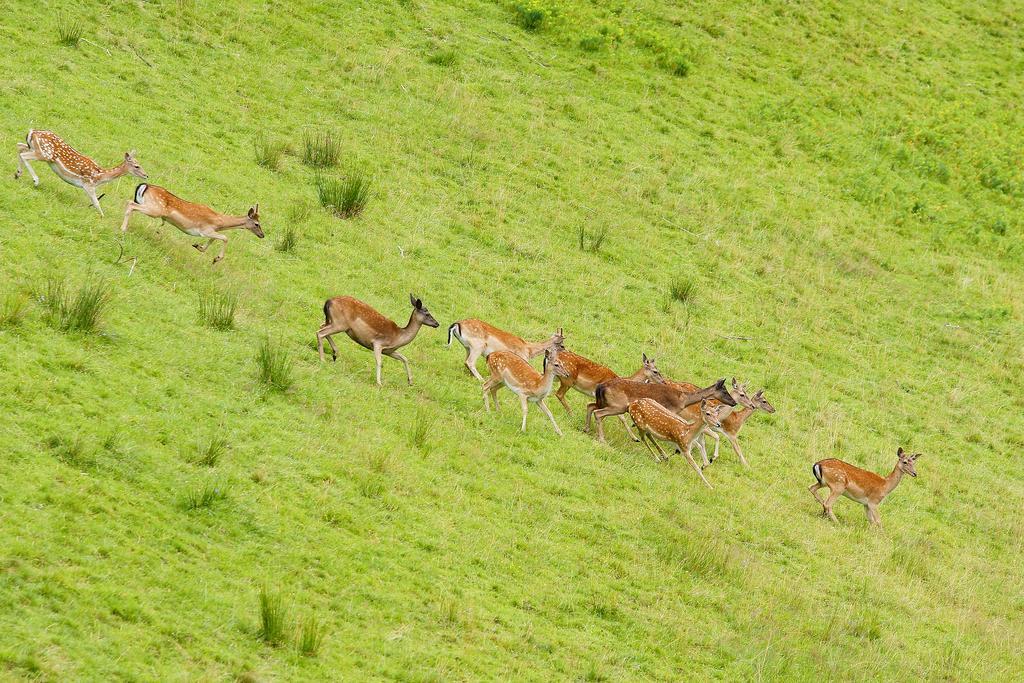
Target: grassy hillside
[{"x": 837, "y": 184}]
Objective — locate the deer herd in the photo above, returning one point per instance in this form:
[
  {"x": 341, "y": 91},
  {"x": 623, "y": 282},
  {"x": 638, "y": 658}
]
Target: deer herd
[{"x": 660, "y": 409}]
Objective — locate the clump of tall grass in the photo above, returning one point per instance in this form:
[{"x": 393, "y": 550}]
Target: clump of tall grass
[
  {"x": 344, "y": 198},
  {"x": 288, "y": 240},
  {"x": 299, "y": 212},
  {"x": 531, "y": 15},
  {"x": 421, "y": 428},
  {"x": 13, "y": 309},
  {"x": 268, "y": 152},
  {"x": 78, "y": 312},
  {"x": 274, "y": 366},
  {"x": 204, "y": 496},
  {"x": 310, "y": 637},
  {"x": 592, "y": 241},
  {"x": 682, "y": 289},
  {"x": 444, "y": 58},
  {"x": 70, "y": 451},
  {"x": 320, "y": 150},
  {"x": 208, "y": 454},
  {"x": 217, "y": 309},
  {"x": 69, "y": 31},
  {"x": 273, "y": 616}
]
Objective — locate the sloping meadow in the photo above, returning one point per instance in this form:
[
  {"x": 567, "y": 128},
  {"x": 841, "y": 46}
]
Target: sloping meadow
[{"x": 824, "y": 202}]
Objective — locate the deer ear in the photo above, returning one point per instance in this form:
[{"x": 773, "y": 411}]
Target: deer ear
[
  {"x": 412, "y": 300},
  {"x": 644, "y": 356},
  {"x": 899, "y": 451},
  {"x": 252, "y": 212},
  {"x": 720, "y": 384},
  {"x": 915, "y": 456}
]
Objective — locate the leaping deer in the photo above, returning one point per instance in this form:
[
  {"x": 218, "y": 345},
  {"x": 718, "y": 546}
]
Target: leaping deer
[
  {"x": 192, "y": 219},
  {"x": 70, "y": 165},
  {"x": 584, "y": 376},
  {"x": 482, "y": 339},
  {"x": 508, "y": 369},
  {"x": 867, "y": 488},
  {"x": 614, "y": 397},
  {"x": 371, "y": 330},
  {"x": 655, "y": 422}
]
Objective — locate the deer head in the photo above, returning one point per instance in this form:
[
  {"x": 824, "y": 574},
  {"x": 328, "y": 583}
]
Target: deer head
[
  {"x": 739, "y": 392},
  {"x": 551, "y": 361},
  {"x": 421, "y": 313},
  {"x": 761, "y": 403},
  {"x": 252, "y": 221},
  {"x": 721, "y": 393},
  {"x": 557, "y": 340},
  {"x": 132, "y": 166},
  {"x": 651, "y": 375},
  {"x": 906, "y": 462},
  {"x": 710, "y": 414}
]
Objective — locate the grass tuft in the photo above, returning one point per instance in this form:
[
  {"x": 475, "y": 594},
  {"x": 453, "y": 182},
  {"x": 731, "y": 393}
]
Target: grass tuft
[
  {"x": 78, "y": 312},
  {"x": 217, "y": 309},
  {"x": 320, "y": 150},
  {"x": 69, "y": 31},
  {"x": 592, "y": 241},
  {"x": 204, "y": 496},
  {"x": 682, "y": 290},
  {"x": 274, "y": 366},
  {"x": 289, "y": 238},
  {"x": 311, "y": 636},
  {"x": 13, "y": 309},
  {"x": 531, "y": 15},
  {"x": 209, "y": 454},
  {"x": 444, "y": 58},
  {"x": 273, "y": 616},
  {"x": 344, "y": 198},
  {"x": 422, "y": 427},
  {"x": 268, "y": 152}
]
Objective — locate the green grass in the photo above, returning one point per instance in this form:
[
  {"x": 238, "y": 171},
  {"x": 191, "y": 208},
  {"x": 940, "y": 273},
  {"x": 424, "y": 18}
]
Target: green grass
[
  {"x": 13, "y": 309},
  {"x": 217, "y": 309},
  {"x": 268, "y": 152},
  {"x": 310, "y": 637},
  {"x": 841, "y": 181},
  {"x": 320, "y": 149},
  {"x": 78, "y": 311},
  {"x": 69, "y": 30},
  {"x": 273, "y": 618},
  {"x": 274, "y": 366},
  {"x": 289, "y": 238},
  {"x": 204, "y": 496},
  {"x": 344, "y": 198}
]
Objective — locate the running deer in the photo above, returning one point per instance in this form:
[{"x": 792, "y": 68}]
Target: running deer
[
  {"x": 731, "y": 421},
  {"x": 192, "y": 219},
  {"x": 655, "y": 422},
  {"x": 867, "y": 488},
  {"x": 614, "y": 397},
  {"x": 71, "y": 166},
  {"x": 584, "y": 376},
  {"x": 371, "y": 330},
  {"x": 508, "y": 369},
  {"x": 482, "y": 339}
]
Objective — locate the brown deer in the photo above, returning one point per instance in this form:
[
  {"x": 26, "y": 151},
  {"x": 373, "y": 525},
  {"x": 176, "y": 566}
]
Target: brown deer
[
  {"x": 614, "y": 397},
  {"x": 510, "y": 370},
  {"x": 867, "y": 488},
  {"x": 371, "y": 330},
  {"x": 655, "y": 422},
  {"x": 71, "y": 166},
  {"x": 482, "y": 339},
  {"x": 192, "y": 219},
  {"x": 584, "y": 376},
  {"x": 732, "y": 421}
]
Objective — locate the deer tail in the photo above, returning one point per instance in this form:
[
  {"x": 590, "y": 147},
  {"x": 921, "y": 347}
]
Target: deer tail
[
  {"x": 599, "y": 396},
  {"x": 817, "y": 472},
  {"x": 327, "y": 312},
  {"x": 454, "y": 329}
]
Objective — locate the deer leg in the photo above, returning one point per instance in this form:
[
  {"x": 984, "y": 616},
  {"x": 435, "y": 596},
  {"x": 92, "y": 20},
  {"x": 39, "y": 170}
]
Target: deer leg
[
  {"x": 128, "y": 209},
  {"x": 699, "y": 443},
  {"x": 830, "y": 501},
  {"x": 563, "y": 388},
  {"x": 643, "y": 440},
  {"x": 714, "y": 435},
  {"x": 525, "y": 403},
  {"x": 591, "y": 407},
  {"x": 551, "y": 417},
  {"x": 224, "y": 245},
  {"x": 90, "y": 192},
  {"x": 201, "y": 248},
  {"x": 693, "y": 464},
  {"x": 397, "y": 356},
  {"x": 734, "y": 440},
  {"x": 628, "y": 430},
  {"x": 873, "y": 517},
  {"x": 23, "y": 159},
  {"x": 599, "y": 415},
  {"x": 471, "y": 357},
  {"x": 377, "y": 352},
  {"x": 813, "y": 488},
  {"x": 323, "y": 333},
  {"x": 657, "y": 444}
]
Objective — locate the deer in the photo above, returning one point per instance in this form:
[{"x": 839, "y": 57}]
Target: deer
[
  {"x": 70, "y": 165},
  {"x": 510, "y": 370},
  {"x": 731, "y": 421},
  {"x": 866, "y": 488},
  {"x": 656, "y": 422},
  {"x": 482, "y": 339},
  {"x": 371, "y": 330},
  {"x": 584, "y": 376},
  {"x": 614, "y": 397},
  {"x": 196, "y": 220}
]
